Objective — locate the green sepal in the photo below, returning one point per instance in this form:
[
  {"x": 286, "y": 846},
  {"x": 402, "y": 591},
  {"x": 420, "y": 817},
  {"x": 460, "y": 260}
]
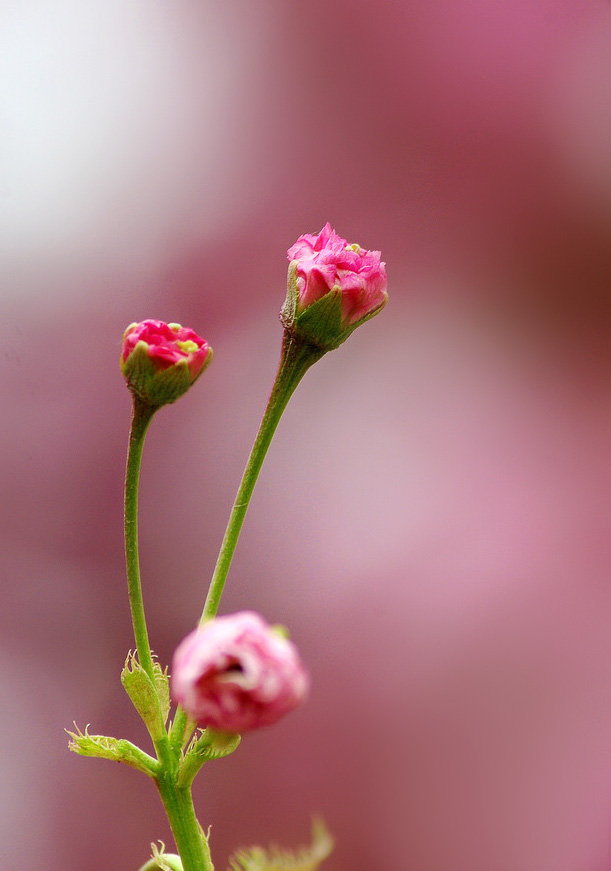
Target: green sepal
[
  {"x": 150, "y": 699},
  {"x": 291, "y": 303},
  {"x": 203, "y": 747},
  {"x": 115, "y": 749},
  {"x": 276, "y": 859},
  {"x": 154, "y": 386},
  {"x": 319, "y": 323}
]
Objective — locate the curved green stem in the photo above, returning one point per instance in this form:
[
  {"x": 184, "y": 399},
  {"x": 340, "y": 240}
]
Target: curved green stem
[
  {"x": 141, "y": 417},
  {"x": 190, "y": 840},
  {"x": 295, "y": 359}
]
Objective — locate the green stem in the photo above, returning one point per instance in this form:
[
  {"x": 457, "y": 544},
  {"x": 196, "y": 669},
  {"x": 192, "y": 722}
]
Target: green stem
[
  {"x": 141, "y": 417},
  {"x": 190, "y": 840},
  {"x": 295, "y": 359},
  {"x": 191, "y": 843}
]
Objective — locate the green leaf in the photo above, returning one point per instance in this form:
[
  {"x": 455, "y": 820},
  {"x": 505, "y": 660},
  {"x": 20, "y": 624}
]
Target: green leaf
[
  {"x": 151, "y": 700},
  {"x": 162, "y": 685},
  {"x": 115, "y": 749},
  {"x": 276, "y": 859},
  {"x": 213, "y": 745},
  {"x": 203, "y": 747}
]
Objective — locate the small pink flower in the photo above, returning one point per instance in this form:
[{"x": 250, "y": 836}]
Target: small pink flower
[
  {"x": 237, "y": 673},
  {"x": 167, "y": 344},
  {"x": 327, "y": 262},
  {"x": 160, "y": 361}
]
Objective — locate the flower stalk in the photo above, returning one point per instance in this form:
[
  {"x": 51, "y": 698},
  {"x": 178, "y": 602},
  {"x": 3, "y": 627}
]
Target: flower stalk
[
  {"x": 142, "y": 415},
  {"x": 295, "y": 359},
  {"x": 177, "y": 800}
]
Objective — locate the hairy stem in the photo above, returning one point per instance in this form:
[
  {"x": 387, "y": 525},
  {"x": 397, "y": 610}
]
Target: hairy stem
[{"x": 190, "y": 839}]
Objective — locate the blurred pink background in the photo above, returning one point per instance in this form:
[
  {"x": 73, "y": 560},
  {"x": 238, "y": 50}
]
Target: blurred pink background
[{"x": 433, "y": 520}]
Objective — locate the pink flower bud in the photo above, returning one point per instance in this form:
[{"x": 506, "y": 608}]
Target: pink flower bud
[
  {"x": 333, "y": 287},
  {"x": 237, "y": 673},
  {"x": 161, "y": 361}
]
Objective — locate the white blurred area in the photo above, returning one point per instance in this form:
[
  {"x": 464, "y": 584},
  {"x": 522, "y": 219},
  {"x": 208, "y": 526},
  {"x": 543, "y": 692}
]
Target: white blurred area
[
  {"x": 433, "y": 520},
  {"x": 119, "y": 121}
]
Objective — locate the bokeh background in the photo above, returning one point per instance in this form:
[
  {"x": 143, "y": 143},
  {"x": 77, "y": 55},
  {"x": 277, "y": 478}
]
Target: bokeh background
[{"x": 433, "y": 519}]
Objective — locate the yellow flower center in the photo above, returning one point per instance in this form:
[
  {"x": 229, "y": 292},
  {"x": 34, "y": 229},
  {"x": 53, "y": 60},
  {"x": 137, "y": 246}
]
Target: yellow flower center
[{"x": 188, "y": 347}]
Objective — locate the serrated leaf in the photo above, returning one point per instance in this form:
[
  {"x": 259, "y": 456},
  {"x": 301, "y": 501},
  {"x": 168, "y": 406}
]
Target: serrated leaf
[
  {"x": 277, "y": 859},
  {"x": 162, "y": 684},
  {"x": 115, "y": 749},
  {"x": 213, "y": 745},
  {"x": 203, "y": 747},
  {"x": 151, "y": 700}
]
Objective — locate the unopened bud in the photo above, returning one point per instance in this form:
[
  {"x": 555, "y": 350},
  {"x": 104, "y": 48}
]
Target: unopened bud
[
  {"x": 333, "y": 287},
  {"x": 235, "y": 673},
  {"x": 161, "y": 361}
]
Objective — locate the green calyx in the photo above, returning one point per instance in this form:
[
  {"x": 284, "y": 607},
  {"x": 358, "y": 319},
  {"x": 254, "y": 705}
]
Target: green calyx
[
  {"x": 154, "y": 386},
  {"x": 320, "y": 323}
]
